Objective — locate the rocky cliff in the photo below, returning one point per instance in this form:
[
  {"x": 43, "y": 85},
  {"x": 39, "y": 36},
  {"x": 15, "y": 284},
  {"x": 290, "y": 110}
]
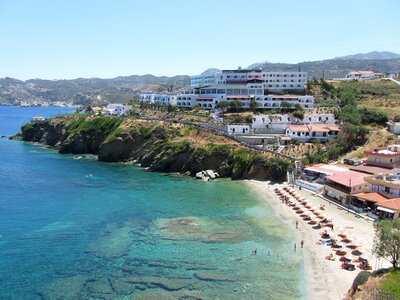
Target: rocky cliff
[{"x": 158, "y": 145}]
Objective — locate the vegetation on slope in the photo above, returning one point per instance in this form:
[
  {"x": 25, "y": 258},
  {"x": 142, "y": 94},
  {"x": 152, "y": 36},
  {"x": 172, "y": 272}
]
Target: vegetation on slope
[{"x": 159, "y": 145}]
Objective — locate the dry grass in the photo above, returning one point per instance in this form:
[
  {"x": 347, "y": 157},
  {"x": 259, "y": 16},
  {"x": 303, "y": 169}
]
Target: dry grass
[
  {"x": 302, "y": 149},
  {"x": 370, "y": 290},
  {"x": 378, "y": 138},
  {"x": 325, "y": 110},
  {"x": 379, "y": 95}
]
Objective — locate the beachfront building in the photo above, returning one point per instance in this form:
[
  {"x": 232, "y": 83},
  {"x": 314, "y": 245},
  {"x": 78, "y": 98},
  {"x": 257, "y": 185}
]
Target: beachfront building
[
  {"x": 313, "y": 177},
  {"x": 159, "y": 98},
  {"x": 386, "y": 158},
  {"x": 117, "y": 109},
  {"x": 364, "y": 75},
  {"x": 238, "y": 129},
  {"x": 394, "y": 127},
  {"x": 304, "y": 133},
  {"x": 383, "y": 196},
  {"x": 282, "y": 121},
  {"x": 342, "y": 185}
]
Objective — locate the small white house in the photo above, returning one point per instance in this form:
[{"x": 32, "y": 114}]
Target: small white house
[
  {"x": 282, "y": 121},
  {"x": 117, "y": 109},
  {"x": 363, "y": 75},
  {"x": 238, "y": 129},
  {"x": 305, "y": 133},
  {"x": 394, "y": 127}
]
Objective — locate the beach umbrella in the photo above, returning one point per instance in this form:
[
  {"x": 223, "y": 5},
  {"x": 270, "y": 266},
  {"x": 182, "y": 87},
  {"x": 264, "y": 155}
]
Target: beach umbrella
[
  {"x": 356, "y": 252},
  {"x": 341, "y": 252}
]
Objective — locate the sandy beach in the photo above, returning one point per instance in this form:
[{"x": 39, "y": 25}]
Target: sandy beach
[{"x": 324, "y": 278}]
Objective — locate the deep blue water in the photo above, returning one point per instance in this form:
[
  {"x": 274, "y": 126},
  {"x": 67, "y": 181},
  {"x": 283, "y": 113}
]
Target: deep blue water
[{"x": 80, "y": 229}]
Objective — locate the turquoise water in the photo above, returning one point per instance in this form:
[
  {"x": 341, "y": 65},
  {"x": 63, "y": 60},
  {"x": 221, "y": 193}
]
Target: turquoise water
[{"x": 81, "y": 229}]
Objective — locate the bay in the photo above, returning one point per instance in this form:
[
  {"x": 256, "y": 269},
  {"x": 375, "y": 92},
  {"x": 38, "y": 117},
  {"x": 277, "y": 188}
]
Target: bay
[{"x": 80, "y": 229}]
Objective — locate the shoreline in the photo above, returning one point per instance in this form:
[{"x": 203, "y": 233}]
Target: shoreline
[{"x": 323, "y": 279}]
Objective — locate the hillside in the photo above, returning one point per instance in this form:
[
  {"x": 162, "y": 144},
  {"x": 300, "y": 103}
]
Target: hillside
[
  {"x": 335, "y": 68},
  {"x": 83, "y": 91},
  {"x": 161, "y": 146},
  {"x": 371, "y": 55},
  {"x": 381, "y": 284},
  {"x": 379, "y": 95}
]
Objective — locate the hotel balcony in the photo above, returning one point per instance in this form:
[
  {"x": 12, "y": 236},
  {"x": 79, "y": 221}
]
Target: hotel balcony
[
  {"x": 382, "y": 164},
  {"x": 338, "y": 187},
  {"x": 381, "y": 181}
]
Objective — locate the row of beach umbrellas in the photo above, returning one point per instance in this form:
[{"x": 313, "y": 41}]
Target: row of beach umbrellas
[{"x": 346, "y": 248}]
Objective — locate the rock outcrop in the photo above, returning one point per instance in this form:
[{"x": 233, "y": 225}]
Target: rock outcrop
[{"x": 157, "y": 145}]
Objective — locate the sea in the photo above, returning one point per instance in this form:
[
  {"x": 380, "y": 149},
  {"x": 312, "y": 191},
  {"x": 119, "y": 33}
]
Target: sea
[{"x": 75, "y": 228}]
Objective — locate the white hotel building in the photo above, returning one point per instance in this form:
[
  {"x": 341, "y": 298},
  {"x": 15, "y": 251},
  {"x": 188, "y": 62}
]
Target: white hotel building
[{"x": 238, "y": 85}]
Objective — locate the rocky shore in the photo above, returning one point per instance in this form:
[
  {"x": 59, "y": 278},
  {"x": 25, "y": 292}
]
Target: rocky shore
[{"x": 156, "y": 145}]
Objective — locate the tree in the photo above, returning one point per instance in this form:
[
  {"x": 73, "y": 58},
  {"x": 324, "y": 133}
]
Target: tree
[
  {"x": 351, "y": 135},
  {"x": 196, "y": 107},
  {"x": 253, "y": 105},
  {"x": 171, "y": 108},
  {"x": 223, "y": 105},
  {"x": 372, "y": 117},
  {"x": 286, "y": 105},
  {"x": 308, "y": 87},
  {"x": 89, "y": 110},
  {"x": 299, "y": 114},
  {"x": 236, "y": 105},
  {"x": 387, "y": 240}
]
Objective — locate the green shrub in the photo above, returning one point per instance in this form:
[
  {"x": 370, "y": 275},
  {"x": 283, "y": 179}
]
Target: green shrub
[
  {"x": 113, "y": 135},
  {"x": 105, "y": 125},
  {"x": 391, "y": 285}
]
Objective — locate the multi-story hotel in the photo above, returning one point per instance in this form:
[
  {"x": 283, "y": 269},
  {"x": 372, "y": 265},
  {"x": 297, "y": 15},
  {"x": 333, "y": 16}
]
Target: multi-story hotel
[
  {"x": 212, "y": 87},
  {"x": 272, "y": 81}
]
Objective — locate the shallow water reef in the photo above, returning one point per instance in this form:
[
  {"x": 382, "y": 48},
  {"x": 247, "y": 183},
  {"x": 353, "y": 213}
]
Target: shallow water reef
[{"x": 205, "y": 229}]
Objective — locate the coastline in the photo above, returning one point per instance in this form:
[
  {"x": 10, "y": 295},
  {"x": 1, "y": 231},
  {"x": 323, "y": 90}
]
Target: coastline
[{"x": 324, "y": 279}]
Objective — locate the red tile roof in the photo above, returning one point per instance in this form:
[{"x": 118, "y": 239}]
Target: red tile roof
[
  {"x": 239, "y": 97},
  {"x": 285, "y": 97},
  {"x": 372, "y": 197},
  {"x": 348, "y": 178},
  {"x": 373, "y": 170},
  {"x": 326, "y": 169},
  {"x": 390, "y": 203},
  {"x": 317, "y": 128}
]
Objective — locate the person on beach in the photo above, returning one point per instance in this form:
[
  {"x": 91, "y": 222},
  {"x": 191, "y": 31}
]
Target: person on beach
[
  {"x": 294, "y": 247},
  {"x": 301, "y": 243},
  {"x": 297, "y": 224}
]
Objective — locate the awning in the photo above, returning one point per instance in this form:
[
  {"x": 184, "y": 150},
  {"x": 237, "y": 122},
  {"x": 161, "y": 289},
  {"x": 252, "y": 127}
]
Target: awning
[
  {"x": 385, "y": 209},
  {"x": 317, "y": 171}
]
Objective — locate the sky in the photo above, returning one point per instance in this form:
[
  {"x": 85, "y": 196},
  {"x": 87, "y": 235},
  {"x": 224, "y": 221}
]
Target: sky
[{"x": 55, "y": 39}]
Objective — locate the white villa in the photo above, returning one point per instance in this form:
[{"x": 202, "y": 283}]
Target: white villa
[
  {"x": 238, "y": 129},
  {"x": 304, "y": 133},
  {"x": 394, "y": 127},
  {"x": 117, "y": 109},
  {"x": 160, "y": 99},
  {"x": 282, "y": 121},
  {"x": 363, "y": 75}
]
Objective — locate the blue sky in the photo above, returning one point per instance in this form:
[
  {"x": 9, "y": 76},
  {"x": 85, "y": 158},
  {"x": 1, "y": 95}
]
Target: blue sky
[{"x": 56, "y": 39}]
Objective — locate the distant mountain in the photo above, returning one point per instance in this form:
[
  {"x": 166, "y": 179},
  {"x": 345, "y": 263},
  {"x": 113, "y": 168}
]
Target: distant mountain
[
  {"x": 335, "y": 68},
  {"x": 371, "y": 55},
  {"x": 83, "y": 91},
  {"x": 257, "y": 65}
]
